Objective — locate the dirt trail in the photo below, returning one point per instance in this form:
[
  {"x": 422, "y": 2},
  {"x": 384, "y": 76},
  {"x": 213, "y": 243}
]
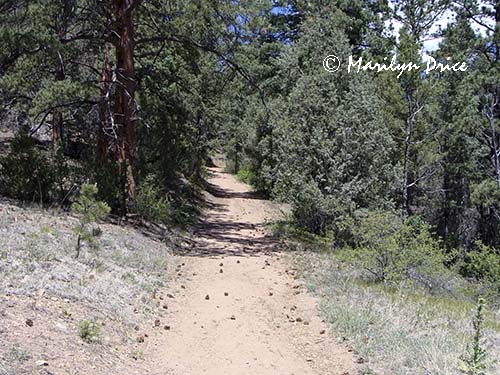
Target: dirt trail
[{"x": 239, "y": 309}]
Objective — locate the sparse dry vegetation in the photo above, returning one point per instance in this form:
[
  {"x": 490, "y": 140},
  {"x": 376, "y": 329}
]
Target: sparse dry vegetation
[
  {"x": 399, "y": 331},
  {"x": 51, "y": 301}
]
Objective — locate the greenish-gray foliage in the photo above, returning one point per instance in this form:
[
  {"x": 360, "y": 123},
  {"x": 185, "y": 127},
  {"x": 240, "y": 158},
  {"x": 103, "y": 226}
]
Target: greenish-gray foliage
[
  {"x": 150, "y": 204},
  {"x": 482, "y": 263},
  {"x": 393, "y": 250},
  {"x": 89, "y": 330},
  {"x": 26, "y": 172},
  {"x": 90, "y": 212}
]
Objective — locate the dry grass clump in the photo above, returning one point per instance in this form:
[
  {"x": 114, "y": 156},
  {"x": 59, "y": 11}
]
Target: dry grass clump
[{"x": 400, "y": 332}]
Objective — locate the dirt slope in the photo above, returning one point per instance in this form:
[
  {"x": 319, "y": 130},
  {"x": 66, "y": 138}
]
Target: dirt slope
[
  {"x": 47, "y": 296},
  {"x": 237, "y": 308}
]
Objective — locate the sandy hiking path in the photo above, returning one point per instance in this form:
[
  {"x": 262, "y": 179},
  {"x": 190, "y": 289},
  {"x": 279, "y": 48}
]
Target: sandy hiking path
[{"x": 238, "y": 307}]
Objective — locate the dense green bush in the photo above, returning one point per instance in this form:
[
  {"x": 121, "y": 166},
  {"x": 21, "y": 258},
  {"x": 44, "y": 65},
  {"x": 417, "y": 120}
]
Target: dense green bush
[
  {"x": 331, "y": 149},
  {"x": 314, "y": 211},
  {"x": 483, "y": 264},
  {"x": 392, "y": 249},
  {"x": 26, "y": 172},
  {"x": 151, "y": 202},
  {"x": 246, "y": 175}
]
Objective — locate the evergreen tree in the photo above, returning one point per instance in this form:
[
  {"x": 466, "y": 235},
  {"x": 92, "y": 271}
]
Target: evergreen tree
[{"x": 333, "y": 148}]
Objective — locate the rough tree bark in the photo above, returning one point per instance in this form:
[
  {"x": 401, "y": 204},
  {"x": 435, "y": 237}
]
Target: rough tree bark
[
  {"x": 413, "y": 109},
  {"x": 57, "y": 116},
  {"x": 489, "y": 110},
  {"x": 406, "y": 168},
  {"x": 125, "y": 106}
]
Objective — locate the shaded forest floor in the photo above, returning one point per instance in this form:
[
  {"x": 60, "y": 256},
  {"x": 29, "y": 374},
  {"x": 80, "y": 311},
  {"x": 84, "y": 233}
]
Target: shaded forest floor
[{"x": 229, "y": 302}]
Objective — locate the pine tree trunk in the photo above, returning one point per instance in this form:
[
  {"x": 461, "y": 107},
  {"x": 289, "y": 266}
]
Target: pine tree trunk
[
  {"x": 57, "y": 117},
  {"x": 495, "y": 148},
  {"x": 495, "y": 110},
  {"x": 406, "y": 167},
  {"x": 125, "y": 106}
]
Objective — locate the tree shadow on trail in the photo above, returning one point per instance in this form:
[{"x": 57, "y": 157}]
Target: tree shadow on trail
[
  {"x": 225, "y": 237},
  {"x": 218, "y": 235},
  {"x": 221, "y": 232},
  {"x": 220, "y": 192}
]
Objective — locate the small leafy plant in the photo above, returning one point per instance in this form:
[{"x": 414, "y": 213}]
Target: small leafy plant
[
  {"x": 89, "y": 330},
  {"x": 475, "y": 360},
  {"x": 90, "y": 211}
]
